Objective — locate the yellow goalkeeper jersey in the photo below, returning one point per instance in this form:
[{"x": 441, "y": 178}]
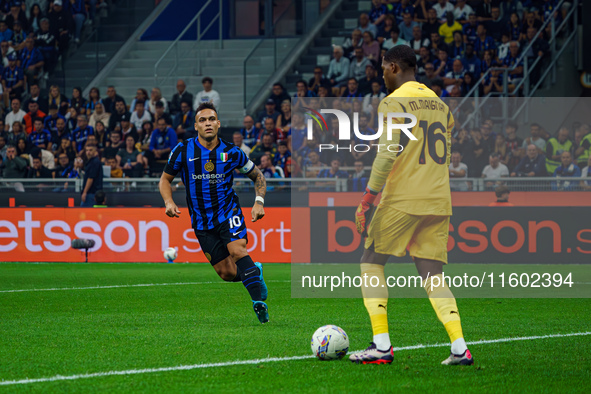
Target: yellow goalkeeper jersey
[{"x": 415, "y": 180}]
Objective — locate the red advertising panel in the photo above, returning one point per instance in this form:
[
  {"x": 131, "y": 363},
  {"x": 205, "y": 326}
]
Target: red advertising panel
[{"x": 127, "y": 235}]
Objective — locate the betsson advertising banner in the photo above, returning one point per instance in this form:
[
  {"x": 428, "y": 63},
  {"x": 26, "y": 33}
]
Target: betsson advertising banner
[{"x": 127, "y": 235}]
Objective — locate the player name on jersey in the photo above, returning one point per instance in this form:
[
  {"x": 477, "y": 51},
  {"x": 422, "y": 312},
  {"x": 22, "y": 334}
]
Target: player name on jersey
[{"x": 435, "y": 105}]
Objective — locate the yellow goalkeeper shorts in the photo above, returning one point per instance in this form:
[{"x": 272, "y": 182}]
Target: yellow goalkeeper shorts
[{"x": 391, "y": 231}]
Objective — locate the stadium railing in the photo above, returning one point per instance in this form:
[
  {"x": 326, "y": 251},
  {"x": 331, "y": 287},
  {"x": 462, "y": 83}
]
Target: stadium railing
[
  {"x": 479, "y": 102},
  {"x": 296, "y": 184},
  {"x": 200, "y": 33}
]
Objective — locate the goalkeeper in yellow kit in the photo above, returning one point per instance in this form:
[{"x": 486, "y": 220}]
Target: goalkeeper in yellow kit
[{"x": 414, "y": 208}]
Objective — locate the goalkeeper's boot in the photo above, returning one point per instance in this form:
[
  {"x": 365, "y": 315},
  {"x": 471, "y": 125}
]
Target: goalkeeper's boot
[
  {"x": 372, "y": 355},
  {"x": 459, "y": 359},
  {"x": 264, "y": 290},
  {"x": 262, "y": 311}
]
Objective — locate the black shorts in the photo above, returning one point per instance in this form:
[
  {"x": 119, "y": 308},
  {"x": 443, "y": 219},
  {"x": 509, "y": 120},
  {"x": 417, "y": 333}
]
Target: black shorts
[{"x": 214, "y": 242}]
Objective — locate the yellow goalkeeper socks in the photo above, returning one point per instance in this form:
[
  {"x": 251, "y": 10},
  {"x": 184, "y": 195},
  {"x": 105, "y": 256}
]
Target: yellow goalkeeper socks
[
  {"x": 376, "y": 302},
  {"x": 444, "y": 304}
]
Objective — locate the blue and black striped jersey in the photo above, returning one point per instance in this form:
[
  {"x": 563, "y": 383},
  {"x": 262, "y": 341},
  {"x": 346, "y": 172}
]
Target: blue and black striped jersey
[{"x": 208, "y": 176}]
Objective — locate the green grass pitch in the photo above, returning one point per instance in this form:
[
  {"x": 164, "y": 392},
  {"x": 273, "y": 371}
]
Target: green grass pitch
[{"x": 44, "y": 334}]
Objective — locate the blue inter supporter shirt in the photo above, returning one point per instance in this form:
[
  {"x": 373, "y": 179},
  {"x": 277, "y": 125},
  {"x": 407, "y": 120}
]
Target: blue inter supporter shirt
[{"x": 208, "y": 177}]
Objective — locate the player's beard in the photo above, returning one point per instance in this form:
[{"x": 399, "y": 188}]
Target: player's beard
[{"x": 210, "y": 138}]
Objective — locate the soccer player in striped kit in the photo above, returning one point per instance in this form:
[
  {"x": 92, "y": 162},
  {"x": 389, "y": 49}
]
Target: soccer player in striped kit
[{"x": 206, "y": 165}]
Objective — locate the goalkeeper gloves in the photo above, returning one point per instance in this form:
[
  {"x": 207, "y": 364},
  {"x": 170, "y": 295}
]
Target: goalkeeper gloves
[{"x": 364, "y": 211}]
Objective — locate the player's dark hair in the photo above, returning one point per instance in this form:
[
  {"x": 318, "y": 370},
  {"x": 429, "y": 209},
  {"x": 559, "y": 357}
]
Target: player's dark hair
[
  {"x": 207, "y": 79},
  {"x": 403, "y": 55},
  {"x": 206, "y": 105}
]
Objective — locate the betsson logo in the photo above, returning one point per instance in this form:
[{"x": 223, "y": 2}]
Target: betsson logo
[{"x": 345, "y": 130}]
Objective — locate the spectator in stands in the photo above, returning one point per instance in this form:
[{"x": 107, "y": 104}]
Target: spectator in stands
[
  {"x": 39, "y": 137},
  {"x": 207, "y": 94},
  {"x": 311, "y": 164},
  {"x": 12, "y": 80},
  {"x": 376, "y": 92},
  {"x": 38, "y": 170},
  {"x": 72, "y": 119},
  {"x": 31, "y": 60},
  {"x": 514, "y": 64},
  {"x": 46, "y": 42},
  {"x": 530, "y": 21},
  {"x": 64, "y": 167},
  {"x": 488, "y": 136},
  {"x": 114, "y": 144},
  {"x": 180, "y": 95},
  {"x": 81, "y": 133},
  {"x": 77, "y": 101},
  {"x": 78, "y": 11},
  {"x": 358, "y": 64},
  {"x": 13, "y": 166},
  {"x": 471, "y": 62},
  {"x": 99, "y": 115},
  {"x": 16, "y": 13},
  {"x": 271, "y": 129},
  {"x": 496, "y": 25},
  {"x": 128, "y": 128},
  {"x": 129, "y": 159},
  {"x": 457, "y": 48},
  {"x": 443, "y": 64},
  {"x": 115, "y": 118},
  {"x": 16, "y": 115},
  {"x": 418, "y": 41},
  {"x": 535, "y": 138},
  {"x": 111, "y": 100},
  {"x": 393, "y": 40},
  {"x": 442, "y": 8},
  {"x": 567, "y": 169},
  {"x": 334, "y": 171},
  {"x": 268, "y": 112},
  {"x": 455, "y": 77},
  {"x": 185, "y": 121},
  {"x": 93, "y": 176},
  {"x": 554, "y": 148},
  {"x": 514, "y": 27},
  {"x": 267, "y": 167},
  {"x": 447, "y": 29},
  {"x": 284, "y": 119},
  {"x": 156, "y": 97},
  {"x": 586, "y": 173},
  {"x": 33, "y": 113},
  {"x": 141, "y": 95},
  {"x": 338, "y": 69},
  {"x": 533, "y": 164},
  {"x": 282, "y": 158},
  {"x": 3, "y": 147},
  {"x": 367, "y": 156},
  {"x": 161, "y": 114},
  {"x": 469, "y": 29},
  {"x": 432, "y": 24},
  {"x": 318, "y": 79},
  {"x": 370, "y": 77},
  {"x": 50, "y": 121},
  {"x": 493, "y": 81},
  {"x": 62, "y": 25},
  {"x": 238, "y": 140},
  {"x": 501, "y": 148},
  {"x": 163, "y": 141},
  {"x": 437, "y": 45},
  {"x": 17, "y": 41},
  {"x": 21, "y": 148},
  {"x": 145, "y": 135},
  {"x": 60, "y": 133},
  {"x": 462, "y": 11},
  {"x": 140, "y": 115},
  {"x": 278, "y": 95},
  {"x": 5, "y": 51},
  {"x": 297, "y": 133},
  {"x": 378, "y": 12},
  {"x": 424, "y": 58},
  {"x": 364, "y": 25},
  {"x": 514, "y": 144},
  {"x": 475, "y": 154},
  {"x": 438, "y": 87},
  {"x": 457, "y": 169},
  {"x": 55, "y": 97},
  {"x": 249, "y": 131},
  {"x": 406, "y": 27},
  {"x": 483, "y": 41},
  {"x": 503, "y": 48},
  {"x": 94, "y": 97},
  {"x": 385, "y": 29},
  {"x": 100, "y": 133},
  {"x": 495, "y": 169},
  {"x": 351, "y": 93},
  {"x": 359, "y": 177},
  {"x": 266, "y": 146},
  {"x": 484, "y": 10},
  {"x": 5, "y": 32}
]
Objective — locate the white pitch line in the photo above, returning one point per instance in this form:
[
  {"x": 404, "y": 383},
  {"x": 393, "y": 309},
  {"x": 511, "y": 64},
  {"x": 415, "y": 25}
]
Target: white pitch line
[
  {"x": 261, "y": 360},
  {"x": 124, "y": 286}
]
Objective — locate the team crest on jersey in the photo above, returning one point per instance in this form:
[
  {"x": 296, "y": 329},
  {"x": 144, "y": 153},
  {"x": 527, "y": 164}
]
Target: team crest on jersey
[
  {"x": 224, "y": 157},
  {"x": 209, "y": 166}
]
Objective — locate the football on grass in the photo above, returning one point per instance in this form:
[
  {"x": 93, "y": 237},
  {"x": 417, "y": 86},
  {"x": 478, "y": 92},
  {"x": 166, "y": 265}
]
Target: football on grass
[
  {"x": 170, "y": 254},
  {"x": 330, "y": 342}
]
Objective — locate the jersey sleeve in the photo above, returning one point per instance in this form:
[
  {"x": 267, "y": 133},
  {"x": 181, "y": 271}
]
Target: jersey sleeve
[
  {"x": 243, "y": 163},
  {"x": 174, "y": 164},
  {"x": 384, "y": 161}
]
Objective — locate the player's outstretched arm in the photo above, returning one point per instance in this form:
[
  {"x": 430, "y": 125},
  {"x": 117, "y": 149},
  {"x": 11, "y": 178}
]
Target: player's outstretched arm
[
  {"x": 260, "y": 187},
  {"x": 166, "y": 192}
]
